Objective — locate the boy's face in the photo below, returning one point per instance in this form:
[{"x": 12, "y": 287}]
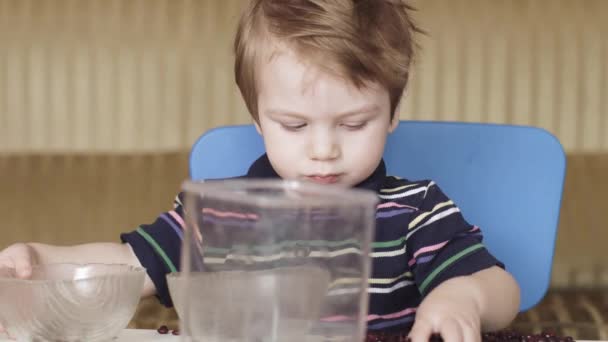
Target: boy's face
[{"x": 319, "y": 127}]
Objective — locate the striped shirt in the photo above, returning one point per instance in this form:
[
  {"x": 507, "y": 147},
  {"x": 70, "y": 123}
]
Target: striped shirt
[{"x": 421, "y": 240}]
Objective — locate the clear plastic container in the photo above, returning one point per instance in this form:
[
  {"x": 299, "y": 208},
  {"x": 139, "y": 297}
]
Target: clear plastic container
[{"x": 272, "y": 260}]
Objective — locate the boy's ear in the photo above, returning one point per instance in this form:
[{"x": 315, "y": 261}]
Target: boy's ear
[
  {"x": 257, "y": 126},
  {"x": 394, "y": 121}
]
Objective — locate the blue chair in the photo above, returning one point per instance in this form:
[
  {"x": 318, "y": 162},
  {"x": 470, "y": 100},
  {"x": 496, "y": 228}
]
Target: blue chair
[{"x": 506, "y": 179}]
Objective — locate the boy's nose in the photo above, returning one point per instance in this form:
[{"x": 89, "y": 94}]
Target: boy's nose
[{"x": 324, "y": 147}]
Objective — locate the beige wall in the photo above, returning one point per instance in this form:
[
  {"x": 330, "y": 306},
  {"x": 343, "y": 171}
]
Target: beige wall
[{"x": 149, "y": 75}]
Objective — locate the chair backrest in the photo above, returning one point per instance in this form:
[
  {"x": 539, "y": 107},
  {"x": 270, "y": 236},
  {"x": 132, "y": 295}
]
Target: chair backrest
[{"x": 506, "y": 179}]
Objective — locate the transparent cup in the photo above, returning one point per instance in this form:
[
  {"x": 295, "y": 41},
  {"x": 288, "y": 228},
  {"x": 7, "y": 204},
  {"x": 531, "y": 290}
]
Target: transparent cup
[{"x": 273, "y": 260}]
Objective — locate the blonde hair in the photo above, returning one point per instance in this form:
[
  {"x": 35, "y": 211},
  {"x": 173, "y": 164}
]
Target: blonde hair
[{"x": 360, "y": 40}]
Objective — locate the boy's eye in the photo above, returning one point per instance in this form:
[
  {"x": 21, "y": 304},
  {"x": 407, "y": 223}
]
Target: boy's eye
[
  {"x": 293, "y": 127},
  {"x": 354, "y": 125}
]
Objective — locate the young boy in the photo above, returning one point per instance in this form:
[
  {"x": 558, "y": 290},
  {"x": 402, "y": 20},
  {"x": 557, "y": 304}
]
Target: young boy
[{"x": 322, "y": 80}]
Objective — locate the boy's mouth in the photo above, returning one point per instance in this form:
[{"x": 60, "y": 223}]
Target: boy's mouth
[{"x": 324, "y": 179}]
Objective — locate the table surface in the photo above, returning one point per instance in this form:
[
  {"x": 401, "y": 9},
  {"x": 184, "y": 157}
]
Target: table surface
[
  {"x": 131, "y": 335},
  {"x": 141, "y": 335}
]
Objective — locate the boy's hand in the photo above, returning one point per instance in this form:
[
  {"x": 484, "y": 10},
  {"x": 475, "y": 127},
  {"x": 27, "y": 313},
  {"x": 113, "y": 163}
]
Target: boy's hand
[
  {"x": 451, "y": 311},
  {"x": 19, "y": 257}
]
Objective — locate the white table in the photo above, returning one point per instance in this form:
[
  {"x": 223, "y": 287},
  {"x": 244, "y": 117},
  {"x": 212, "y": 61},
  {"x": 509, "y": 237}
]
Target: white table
[
  {"x": 132, "y": 335},
  {"x": 141, "y": 335}
]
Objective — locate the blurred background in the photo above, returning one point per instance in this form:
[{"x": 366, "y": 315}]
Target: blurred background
[{"x": 100, "y": 101}]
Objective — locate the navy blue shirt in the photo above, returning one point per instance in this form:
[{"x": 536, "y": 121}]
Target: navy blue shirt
[{"x": 421, "y": 240}]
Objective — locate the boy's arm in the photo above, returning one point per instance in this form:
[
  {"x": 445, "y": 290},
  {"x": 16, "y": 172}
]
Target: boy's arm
[
  {"x": 498, "y": 295},
  {"x": 459, "y": 275},
  {"x": 461, "y": 307},
  {"x": 493, "y": 291},
  {"x": 108, "y": 253}
]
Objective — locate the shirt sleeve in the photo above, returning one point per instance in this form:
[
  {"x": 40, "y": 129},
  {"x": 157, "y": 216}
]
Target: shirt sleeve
[
  {"x": 441, "y": 244},
  {"x": 158, "y": 247}
]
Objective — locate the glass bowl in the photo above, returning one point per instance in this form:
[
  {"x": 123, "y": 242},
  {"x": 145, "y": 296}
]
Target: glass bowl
[
  {"x": 70, "y": 302},
  {"x": 246, "y": 303}
]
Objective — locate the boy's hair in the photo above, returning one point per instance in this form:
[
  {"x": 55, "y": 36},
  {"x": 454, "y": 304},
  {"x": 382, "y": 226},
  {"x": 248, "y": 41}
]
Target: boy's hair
[{"x": 361, "y": 40}]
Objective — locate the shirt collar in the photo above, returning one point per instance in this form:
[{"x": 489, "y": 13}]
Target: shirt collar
[{"x": 262, "y": 168}]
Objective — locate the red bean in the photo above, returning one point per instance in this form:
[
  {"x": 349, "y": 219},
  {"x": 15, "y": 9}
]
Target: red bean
[{"x": 497, "y": 336}]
